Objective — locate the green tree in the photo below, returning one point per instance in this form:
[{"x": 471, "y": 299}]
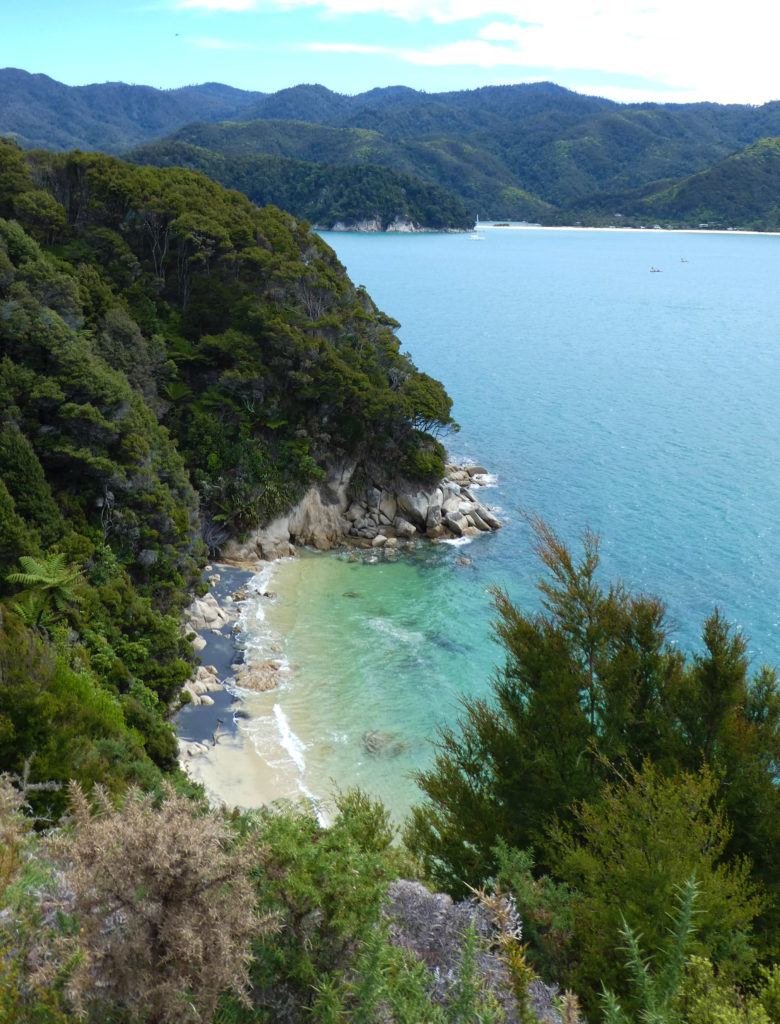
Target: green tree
[
  {"x": 626, "y": 853},
  {"x": 588, "y": 681}
]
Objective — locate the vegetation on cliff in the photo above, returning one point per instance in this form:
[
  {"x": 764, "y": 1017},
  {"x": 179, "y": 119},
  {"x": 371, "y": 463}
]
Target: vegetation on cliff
[
  {"x": 606, "y": 771},
  {"x": 177, "y": 366}
]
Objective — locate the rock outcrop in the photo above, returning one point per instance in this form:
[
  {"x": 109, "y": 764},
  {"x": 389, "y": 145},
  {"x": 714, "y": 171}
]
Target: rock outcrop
[
  {"x": 376, "y": 515},
  {"x": 203, "y": 683},
  {"x": 432, "y": 928}
]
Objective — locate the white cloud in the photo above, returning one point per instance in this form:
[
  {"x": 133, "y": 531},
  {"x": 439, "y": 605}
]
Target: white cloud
[
  {"x": 437, "y": 11},
  {"x": 725, "y": 54}
]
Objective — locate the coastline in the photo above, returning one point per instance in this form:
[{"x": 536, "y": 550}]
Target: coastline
[
  {"x": 522, "y": 226},
  {"x": 235, "y": 737},
  {"x": 215, "y": 748}
]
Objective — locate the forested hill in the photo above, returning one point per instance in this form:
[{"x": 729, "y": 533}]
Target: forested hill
[
  {"x": 533, "y": 152},
  {"x": 176, "y": 366},
  {"x": 109, "y": 117}
]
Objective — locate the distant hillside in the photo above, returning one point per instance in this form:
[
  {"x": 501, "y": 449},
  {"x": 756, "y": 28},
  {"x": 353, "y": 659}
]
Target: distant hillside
[
  {"x": 477, "y": 177},
  {"x": 40, "y": 113},
  {"x": 326, "y": 195},
  {"x": 740, "y": 191},
  {"x": 523, "y": 152}
]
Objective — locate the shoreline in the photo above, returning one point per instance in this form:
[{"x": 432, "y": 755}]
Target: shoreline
[
  {"x": 214, "y": 749},
  {"x": 235, "y": 738},
  {"x": 521, "y": 226}
]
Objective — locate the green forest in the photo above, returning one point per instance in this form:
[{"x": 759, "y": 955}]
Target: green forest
[
  {"x": 177, "y": 366},
  {"x": 532, "y": 152}
]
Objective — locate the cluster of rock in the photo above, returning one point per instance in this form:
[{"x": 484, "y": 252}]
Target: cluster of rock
[
  {"x": 203, "y": 684},
  {"x": 205, "y": 614},
  {"x": 399, "y": 224},
  {"x": 379, "y": 515},
  {"x": 450, "y": 509},
  {"x": 431, "y": 926}
]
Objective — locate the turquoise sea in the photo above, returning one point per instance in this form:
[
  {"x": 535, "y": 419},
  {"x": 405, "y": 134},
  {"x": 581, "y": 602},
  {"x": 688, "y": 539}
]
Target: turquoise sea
[{"x": 644, "y": 405}]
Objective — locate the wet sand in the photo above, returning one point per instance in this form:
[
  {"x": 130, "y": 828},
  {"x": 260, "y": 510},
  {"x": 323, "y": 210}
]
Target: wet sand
[{"x": 216, "y": 744}]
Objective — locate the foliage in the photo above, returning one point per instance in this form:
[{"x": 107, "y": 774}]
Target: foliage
[
  {"x": 543, "y": 905},
  {"x": 590, "y": 685},
  {"x": 35, "y": 961},
  {"x": 325, "y": 194},
  {"x": 47, "y": 583},
  {"x": 176, "y": 364},
  {"x": 327, "y": 886},
  {"x": 587, "y": 681},
  {"x": 164, "y": 904},
  {"x": 705, "y": 998},
  {"x": 657, "y": 991},
  {"x": 627, "y": 853},
  {"x": 64, "y": 720}
]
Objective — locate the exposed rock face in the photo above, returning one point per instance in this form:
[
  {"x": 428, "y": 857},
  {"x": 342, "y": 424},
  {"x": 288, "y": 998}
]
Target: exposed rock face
[
  {"x": 205, "y": 613},
  {"x": 432, "y": 927},
  {"x": 396, "y": 225},
  {"x": 377, "y": 516}
]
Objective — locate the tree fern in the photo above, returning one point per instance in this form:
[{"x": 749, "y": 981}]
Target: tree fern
[{"x": 48, "y": 583}]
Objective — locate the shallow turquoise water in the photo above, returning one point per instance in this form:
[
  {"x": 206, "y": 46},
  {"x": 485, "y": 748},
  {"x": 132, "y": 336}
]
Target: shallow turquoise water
[{"x": 643, "y": 405}]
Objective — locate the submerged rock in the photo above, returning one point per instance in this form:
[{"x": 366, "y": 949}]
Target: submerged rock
[{"x": 382, "y": 744}]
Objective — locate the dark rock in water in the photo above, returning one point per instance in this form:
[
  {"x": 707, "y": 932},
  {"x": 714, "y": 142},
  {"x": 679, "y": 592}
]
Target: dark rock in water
[
  {"x": 241, "y": 714},
  {"x": 382, "y": 744},
  {"x": 351, "y": 593},
  {"x": 446, "y": 643}
]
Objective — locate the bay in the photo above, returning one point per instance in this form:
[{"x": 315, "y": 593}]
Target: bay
[{"x": 598, "y": 393}]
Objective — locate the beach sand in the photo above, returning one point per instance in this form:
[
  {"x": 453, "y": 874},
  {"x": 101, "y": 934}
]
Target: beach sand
[{"x": 232, "y": 767}]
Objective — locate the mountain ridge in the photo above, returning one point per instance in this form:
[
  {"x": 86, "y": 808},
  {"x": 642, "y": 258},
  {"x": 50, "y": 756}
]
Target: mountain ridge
[{"x": 534, "y": 151}]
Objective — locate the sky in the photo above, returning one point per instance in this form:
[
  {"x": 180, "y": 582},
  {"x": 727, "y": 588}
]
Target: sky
[{"x": 667, "y": 51}]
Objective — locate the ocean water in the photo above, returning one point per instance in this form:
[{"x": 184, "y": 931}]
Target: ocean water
[{"x": 597, "y": 393}]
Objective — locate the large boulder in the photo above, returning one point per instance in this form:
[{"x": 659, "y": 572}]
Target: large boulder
[
  {"x": 317, "y": 524},
  {"x": 413, "y": 505},
  {"x": 205, "y": 613},
  {"x": 432, "y": 928}
]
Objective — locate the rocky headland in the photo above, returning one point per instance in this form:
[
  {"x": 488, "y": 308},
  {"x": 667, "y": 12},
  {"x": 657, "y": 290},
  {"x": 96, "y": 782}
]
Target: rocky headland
[
  {"x": 399, "y": 224},
  {"x": 376, "y": 514}
]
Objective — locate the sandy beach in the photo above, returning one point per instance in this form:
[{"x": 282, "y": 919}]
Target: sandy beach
[{"x": 216, "y": 741}]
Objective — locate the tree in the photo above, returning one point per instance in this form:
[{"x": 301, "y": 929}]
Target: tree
[
  {"x": 588, "y": 682},
  {"x": 49, "y": 583},
  {"x": 628, "y": 851}
]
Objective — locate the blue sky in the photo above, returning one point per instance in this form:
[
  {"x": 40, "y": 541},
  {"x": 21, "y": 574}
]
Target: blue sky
[{"x": 626, "y": 50}]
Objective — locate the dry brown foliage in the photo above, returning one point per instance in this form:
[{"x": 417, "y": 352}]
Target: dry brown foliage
[{"x": 165, "y": 906}]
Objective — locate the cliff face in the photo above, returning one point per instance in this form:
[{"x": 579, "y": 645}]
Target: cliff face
[
  {"x": 236, "y": 327},
  {"x": 379, "y": 515}
]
